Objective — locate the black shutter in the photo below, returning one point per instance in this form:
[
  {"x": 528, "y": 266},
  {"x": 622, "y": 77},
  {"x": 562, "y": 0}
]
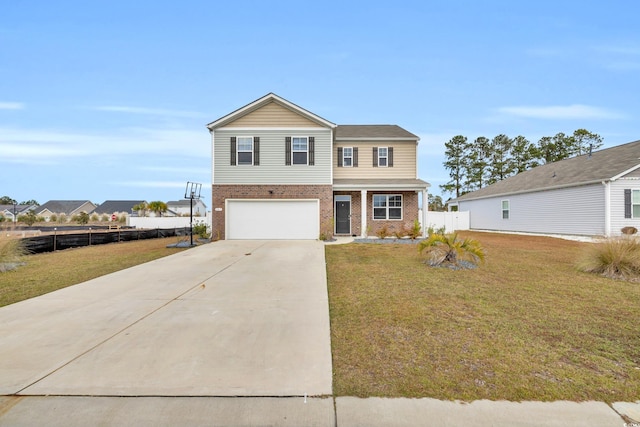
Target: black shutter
[
  {"x": 355, "y": 157},
  {"x": 287, "y": 151},
  {"x": 375, "y": 157},
  {"x": 390, "y": 158},
  {"x": 233, "y": 151},
  {"x": 256, "y": 151},
  {"x": 627, "y": 203},
  {"x": 339, "y": 157},
  {"x": 312, "y": 153}
]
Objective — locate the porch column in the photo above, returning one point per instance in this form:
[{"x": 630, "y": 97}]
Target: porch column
[
  {"x": 425, "y": 209},
  {"x": 363, "y": 213}
]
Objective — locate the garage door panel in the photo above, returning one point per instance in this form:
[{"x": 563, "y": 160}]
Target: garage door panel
[{"x": 273, "y": 219}]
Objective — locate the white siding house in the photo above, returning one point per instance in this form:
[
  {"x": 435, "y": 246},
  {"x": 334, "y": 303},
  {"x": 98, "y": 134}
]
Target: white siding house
[{"x": 591, "y": 195}]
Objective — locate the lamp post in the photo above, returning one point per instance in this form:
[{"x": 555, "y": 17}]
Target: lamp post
[
  {"x": 15, "y": 218},
  {"x": 55, "y": 237}
]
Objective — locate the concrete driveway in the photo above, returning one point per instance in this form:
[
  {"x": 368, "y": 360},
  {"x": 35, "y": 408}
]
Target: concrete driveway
[{"x": 232, "y": 318}]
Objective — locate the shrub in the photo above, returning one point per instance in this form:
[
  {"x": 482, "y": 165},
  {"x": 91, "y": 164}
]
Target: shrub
[
  {"x": 400, "y": 232},
  {"x": 614, "y": 258},
  {"x": 201, "y": 230},
  {"x": 432, "y": 230},
  {"x": 95, "y": 217},
  {"x": 448, "y": 250},
  {"x": 415, "y": 231},
  {"x": 62, "y": 218},
  {"x": 382, "y": 232},
  {"x": 105, "y": 218}
]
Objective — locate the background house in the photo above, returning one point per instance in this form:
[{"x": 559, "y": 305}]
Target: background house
[
  {"x": 11, "y": 212},
  {"x": 183, "y": 207},
  {"x": 117, "y": 208},
  {"x": 66, "y": 208},
  {"x": 594, "y": 195},
  {"x": 283, "y": 172}
]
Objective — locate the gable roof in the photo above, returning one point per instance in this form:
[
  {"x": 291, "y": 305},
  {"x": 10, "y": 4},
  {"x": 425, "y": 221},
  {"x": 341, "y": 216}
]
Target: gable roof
[
  {"x": 66, "y": 207},
  {"x": 260, "y": 102},
  {"x": 605, "y": 165},
  {"x": 373, "y": 132},
  {"x": 111, "y": 206}
]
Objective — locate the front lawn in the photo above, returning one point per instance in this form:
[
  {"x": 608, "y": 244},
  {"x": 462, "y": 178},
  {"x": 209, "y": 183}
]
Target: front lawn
[{"x": 525, "y": 325}]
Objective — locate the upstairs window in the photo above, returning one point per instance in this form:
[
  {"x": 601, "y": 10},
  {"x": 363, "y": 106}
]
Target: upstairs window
[
  {"x": 382, "y": 157},
  {"x": 347, "y": 157},
  {"x": 300, "y": 150},
  {"x": 387, "y": 206},
  {"x": 245, "y": 150}
]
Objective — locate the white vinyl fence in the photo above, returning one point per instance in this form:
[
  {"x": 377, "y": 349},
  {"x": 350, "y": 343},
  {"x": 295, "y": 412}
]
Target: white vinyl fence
[
  {"x": 167, "y": 222},
  {"x": 451, "y": 221}
]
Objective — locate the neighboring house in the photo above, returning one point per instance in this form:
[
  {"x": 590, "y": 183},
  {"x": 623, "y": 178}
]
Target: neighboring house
[
  {"x": 183, "y": 207},
  {"x": 282, "y": 172},
  {"x": 117, "y": 208},
  {"x": 593, "y": 195},
  {"x": 64, "y": 207},
  {"x": 8, "y": 211}
]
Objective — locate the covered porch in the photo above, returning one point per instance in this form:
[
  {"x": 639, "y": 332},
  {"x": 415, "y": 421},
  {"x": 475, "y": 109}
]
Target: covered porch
[{"x": 361, "y": 207}]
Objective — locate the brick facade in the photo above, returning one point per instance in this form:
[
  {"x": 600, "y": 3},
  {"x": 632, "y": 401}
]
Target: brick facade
[
  {"x": 409, "y": 212},
  {"x": 265, "y": 192}
]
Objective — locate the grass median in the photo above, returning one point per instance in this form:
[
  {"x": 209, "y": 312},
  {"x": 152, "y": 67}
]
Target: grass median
[
  {"x": 525, "y": 325},
  {"x": 48, "y": 272}
]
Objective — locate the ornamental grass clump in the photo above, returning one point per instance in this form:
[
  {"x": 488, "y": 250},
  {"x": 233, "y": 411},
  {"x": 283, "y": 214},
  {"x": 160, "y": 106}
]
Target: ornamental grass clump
[
  {"x": 614, "y": 258},
  {"x": 447, "y": 250},
  {"x": 11, "y": 252}
]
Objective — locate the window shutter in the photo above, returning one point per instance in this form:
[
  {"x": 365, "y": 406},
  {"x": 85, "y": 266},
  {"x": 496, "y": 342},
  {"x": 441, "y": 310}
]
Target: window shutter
[
  {"x": 312, "y": 154},
  {"x": 287, "y": 151},
  {"x": 375, "y": 157},
  {"x": 627, "y": 203},
  {"x": 256, "y": 151},
  {"x": 355, "y": 157},
  {"x": 339, "y": 157},
  {"x": 390, "y": 158},
  {"x": 233, "y": 151}
]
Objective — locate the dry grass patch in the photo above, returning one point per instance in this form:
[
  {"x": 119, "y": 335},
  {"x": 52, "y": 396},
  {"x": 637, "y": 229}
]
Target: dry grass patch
[
  {"x": 524, "y": 326},
  {"x": 48, "y": 272}
]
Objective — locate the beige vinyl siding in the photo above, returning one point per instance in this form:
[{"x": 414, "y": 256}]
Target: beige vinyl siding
[
  {"x": 272, "y": 115},
  {"x": 404, "y": 161},
  {"x": 272, "y": 169}
]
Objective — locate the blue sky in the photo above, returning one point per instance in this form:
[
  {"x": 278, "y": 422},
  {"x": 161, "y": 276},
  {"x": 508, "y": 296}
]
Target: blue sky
[{"x": 109, "y": 100}]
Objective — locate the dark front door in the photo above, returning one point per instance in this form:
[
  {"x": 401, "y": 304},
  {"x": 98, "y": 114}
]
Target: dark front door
[{"x": 343, "y": 217}]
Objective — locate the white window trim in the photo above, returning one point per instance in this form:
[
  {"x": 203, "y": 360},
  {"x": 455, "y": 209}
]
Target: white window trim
[
  {"x": 344, "y": 156},
  {"x": 373, "y": 207},
  {"x": 634, "y": 204},
  {"x": 238, "y": 151},
  {"x": 503, "y": 210},
  {"x": 386, "y": 157},
  {"x": 306, "y": 138}
]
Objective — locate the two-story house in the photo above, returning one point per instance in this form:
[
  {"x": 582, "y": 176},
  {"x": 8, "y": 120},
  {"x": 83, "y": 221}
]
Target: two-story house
[{"x": 282, "y": 172}]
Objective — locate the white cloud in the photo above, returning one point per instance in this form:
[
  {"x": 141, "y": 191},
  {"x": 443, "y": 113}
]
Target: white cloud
[
  {"x": 575, "y": 111},
  {"x": 149, "y": 111},
  {"x": 44, "y": 145},
  {"x": 11, "y": 106}
]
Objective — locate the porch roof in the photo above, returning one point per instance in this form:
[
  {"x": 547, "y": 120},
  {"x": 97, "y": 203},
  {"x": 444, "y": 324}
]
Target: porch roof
[{"x": 380, "y": 184}]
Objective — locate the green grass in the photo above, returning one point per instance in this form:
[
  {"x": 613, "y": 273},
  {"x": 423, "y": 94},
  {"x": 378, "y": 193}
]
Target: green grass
[
  {"x": 48, "y": 272},
  {"x": 525, "y": 325}
]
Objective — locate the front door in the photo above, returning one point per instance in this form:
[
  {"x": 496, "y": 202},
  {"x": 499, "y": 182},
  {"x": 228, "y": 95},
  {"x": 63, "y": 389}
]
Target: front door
[{"x": 343, "y": 217}]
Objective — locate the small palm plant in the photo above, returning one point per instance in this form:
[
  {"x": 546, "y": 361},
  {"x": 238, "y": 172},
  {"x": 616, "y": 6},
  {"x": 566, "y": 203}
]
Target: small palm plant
[{"x": 447, "y": 250}]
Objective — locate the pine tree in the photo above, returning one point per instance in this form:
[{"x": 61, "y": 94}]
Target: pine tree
[{"x": 456, "y": 151}]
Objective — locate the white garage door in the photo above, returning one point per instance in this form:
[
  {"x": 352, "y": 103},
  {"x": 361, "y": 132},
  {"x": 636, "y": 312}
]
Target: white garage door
[{"x": 273, "y": 219}]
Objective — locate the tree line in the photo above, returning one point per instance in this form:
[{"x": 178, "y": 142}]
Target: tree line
[{"x": 476, "y": 164}]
